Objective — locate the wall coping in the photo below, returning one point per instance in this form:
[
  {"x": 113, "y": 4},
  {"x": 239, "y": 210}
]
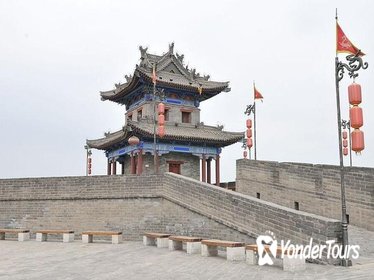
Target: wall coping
[
  {"x": 319, "y": 165},
  {"x": 248, "y": 197}
]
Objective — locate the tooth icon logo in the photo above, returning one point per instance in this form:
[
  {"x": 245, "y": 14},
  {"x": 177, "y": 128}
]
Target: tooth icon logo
[{"x": 266, "y": 245}]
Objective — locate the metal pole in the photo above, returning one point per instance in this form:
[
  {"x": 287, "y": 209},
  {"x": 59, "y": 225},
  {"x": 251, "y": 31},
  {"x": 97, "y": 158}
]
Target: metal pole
[
  {"x": 154, "y": 129},
  {"x": 87, "y": 149},
  {"x": 254, "y": 128},
  {"x": 350, "y": 144},
  {"x": 86, "y": 162},
  {"x": 345, "y": 261}
]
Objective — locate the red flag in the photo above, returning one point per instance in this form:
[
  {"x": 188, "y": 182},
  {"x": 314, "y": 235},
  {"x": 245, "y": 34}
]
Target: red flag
[
  {"x": 154, "y": 75},
  {"x": 257, "y": 94},
  {"x": 344, "y": 45}
]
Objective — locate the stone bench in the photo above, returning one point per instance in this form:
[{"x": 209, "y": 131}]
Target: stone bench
[
  {"x": 87, "y": 236},
  {"x": 235, "y": 251},
  {"x": 67, "y": 235},
  {"x": 296, "y": 263},
  {"x": 23, "y": 234},
  {"x": 161, "y": 240},
  {"x": 193, "y": 244}
]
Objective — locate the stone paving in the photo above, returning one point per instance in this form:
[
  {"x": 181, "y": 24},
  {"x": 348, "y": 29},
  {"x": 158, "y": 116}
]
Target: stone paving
[{"x": 132, "y": 260}]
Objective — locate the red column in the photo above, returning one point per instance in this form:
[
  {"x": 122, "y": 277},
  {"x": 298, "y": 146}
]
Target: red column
[
  {"x": 109, "y": 167},
  {"x": 114, "y": 167},
  {"x": 217, "y": 171},
  {"x": 203, "y": 169},
  {"x": 140, "y": 163},
  {"x": 208, "y": 171},
  {"x": 133, "y": 167}
]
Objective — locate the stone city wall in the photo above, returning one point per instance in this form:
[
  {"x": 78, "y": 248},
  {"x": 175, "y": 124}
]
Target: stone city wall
[
  {"x": 132, "y": 204},
  {"x": 165, "y": 203},
  {"x": 314, "y": 188}
]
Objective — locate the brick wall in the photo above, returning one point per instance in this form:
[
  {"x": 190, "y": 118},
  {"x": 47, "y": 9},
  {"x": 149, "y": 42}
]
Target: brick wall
[
  {"x": 175, "y": 113},
  {"x": 246, "y": 214},
  {"x": 190, "y": 164},
  {"x": 316, "y": 188},
  {"x": 132, "y": 204},
  {"x": 169, "y": 202}
]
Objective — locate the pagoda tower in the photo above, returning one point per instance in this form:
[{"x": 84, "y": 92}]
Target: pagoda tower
[{"x": 187, "y": 141}]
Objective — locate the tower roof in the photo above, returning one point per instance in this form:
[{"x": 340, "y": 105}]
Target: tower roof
[
  {"x": 195, "y": 134},
  {"x": 170, "y": 73}
]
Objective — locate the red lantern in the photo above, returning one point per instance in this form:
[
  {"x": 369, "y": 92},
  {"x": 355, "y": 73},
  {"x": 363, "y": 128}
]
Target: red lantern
[
  {"x": 345, "y": 143},
  {"x": 249, "y": 123},
  {"x": 355, "y": 114},
  {"x": 249, "y": 133},
  {"x": 161, "y": 131},
  {"x": 89, "y": 171},
  {"x": 345, "y": 151},
  {"x": 345, "y": 134},
  {"x": 245, "y": 154},
  {"x": 89, "y": 160},
  {"x": 161, "y": 108},
  {"x": 249, "y": 143},
  {"x": 161, "y": 119},
  {"x": 89, "y": 165},
  {"x": 354, "y": 94},
  {"x": 133, "y": 141},
  {"x": 358, "y": 141}
]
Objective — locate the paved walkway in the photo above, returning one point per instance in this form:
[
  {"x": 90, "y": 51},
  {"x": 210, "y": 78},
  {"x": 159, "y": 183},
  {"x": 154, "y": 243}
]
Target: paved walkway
[
  {"x": 131, "y": 260},
  {"x": 365, "y": 239}
]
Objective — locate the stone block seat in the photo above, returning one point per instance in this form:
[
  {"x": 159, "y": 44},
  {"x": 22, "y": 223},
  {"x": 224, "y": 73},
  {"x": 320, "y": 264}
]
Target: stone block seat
[
  {"x": 193, "y": 244},
  {"x": 67, "y": 235},
  {"x": 161, "y": 240},
  {"x": 235, "y": 251},
  {"x": 87, "y": 236},
  {"x": 23, "y": 234},
  {"x": 292, "y": 261}
]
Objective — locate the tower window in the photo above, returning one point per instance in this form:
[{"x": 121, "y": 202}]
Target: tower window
[
  {"x": 186, "y": 117},
  {"x": 129, "y": 116},
  {"x": 140, "y": 114},
  {"x": 258, "y": 195},
  {"x": 297, "y": 205},
  {"x": 166, "y": 115}
]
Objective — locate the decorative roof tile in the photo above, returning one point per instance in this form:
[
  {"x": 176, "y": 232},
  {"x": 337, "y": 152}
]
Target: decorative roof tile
[
  {"x": 170, "y": 72},
  {"x": 144, "y": 129}
]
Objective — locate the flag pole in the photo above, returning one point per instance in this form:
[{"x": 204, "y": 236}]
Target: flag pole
[
  {"x": 350, "y": 143},
  {"x": 155, "y": 164},
  {"x": 354, "y": 64},
  {"x": 344, "y": 222},
  {"x": 254, "y": 121}
]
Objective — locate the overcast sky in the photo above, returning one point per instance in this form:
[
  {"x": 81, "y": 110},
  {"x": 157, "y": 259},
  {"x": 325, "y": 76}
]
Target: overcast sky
[{"x": 55, "y": 57}]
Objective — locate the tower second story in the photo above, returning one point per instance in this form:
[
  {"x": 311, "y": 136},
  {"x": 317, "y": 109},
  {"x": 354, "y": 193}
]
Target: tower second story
[{"x": 181, "y": 89}]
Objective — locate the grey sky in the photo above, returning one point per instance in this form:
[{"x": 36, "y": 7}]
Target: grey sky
[{"x": 55, "y": 57}]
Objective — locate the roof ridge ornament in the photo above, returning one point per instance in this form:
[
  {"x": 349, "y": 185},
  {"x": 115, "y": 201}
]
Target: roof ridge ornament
[
  {"x": 180, "y": 57},
  {"x": 171, "y": 48},
  {"x": 107, "y": 133},
  {"x": 144, "y": 57},
  {"x": 128, "y": 78},
  {"x": 143, "y": 52},
  {"x": 193, "y": 73}
]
